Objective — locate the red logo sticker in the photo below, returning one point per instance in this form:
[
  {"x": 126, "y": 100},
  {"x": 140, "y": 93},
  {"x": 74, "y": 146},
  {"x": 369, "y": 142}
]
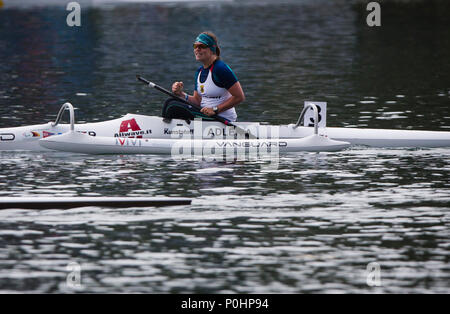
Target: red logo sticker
[
  {"x": 130, "y": 128},
  {"x": 47, "y": 134}
]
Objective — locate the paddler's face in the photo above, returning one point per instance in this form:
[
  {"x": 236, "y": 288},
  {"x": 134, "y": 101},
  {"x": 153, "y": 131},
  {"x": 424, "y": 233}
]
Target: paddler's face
[{"x": 202, "y": 52}]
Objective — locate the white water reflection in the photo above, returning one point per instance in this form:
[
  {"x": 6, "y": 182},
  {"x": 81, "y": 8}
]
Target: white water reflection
[{"x": 311, "y": 227}]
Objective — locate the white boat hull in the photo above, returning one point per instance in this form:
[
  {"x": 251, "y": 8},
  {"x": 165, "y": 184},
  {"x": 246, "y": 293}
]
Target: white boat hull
[
  {"x": 152, "y": 127},
  {"x": 83, "y": 143}
]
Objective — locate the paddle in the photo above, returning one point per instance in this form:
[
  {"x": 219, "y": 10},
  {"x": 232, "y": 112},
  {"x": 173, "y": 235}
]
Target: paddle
[{"x": 216, "y": 117}]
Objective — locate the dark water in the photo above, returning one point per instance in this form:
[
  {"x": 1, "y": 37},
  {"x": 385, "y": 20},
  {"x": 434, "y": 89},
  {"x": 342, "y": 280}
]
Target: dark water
[{"x": 313, "y": 225}]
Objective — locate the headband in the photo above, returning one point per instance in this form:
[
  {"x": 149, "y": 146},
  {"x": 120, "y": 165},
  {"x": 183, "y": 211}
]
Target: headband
[{"x": 207, "y": 40}]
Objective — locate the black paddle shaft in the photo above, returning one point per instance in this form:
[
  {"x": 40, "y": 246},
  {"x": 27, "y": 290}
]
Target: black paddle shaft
[{"x": 165, "y": 91}]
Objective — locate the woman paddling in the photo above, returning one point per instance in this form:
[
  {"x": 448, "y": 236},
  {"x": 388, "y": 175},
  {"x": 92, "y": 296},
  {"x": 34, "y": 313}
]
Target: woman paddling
[{"x": 217, "y": 89}]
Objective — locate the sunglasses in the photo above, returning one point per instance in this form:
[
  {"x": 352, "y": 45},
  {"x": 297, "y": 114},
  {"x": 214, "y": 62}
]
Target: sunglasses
[{"x": 201, "y": 46}]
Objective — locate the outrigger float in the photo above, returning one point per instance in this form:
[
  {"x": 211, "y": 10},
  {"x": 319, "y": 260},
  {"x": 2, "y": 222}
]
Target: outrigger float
[{"x": 140, "y": 134}]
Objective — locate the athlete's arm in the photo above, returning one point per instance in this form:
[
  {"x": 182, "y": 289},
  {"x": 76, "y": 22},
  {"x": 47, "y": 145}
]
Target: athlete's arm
[
  {"x": 237, "y": 96},
  {"x": 196, "y": 99}
]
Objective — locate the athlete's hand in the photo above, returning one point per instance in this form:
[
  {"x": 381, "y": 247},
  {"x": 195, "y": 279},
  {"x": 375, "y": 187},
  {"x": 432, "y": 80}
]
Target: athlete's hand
[
  {"x": 208, "y": 111},
  {"x": 177, "y": 88}
]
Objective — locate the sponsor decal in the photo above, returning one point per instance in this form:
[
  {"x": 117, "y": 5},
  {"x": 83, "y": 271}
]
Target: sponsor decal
[
  {"x": 130, "y": 129},
  {"x": 47, "y": 134},
  {"x": 7, "y": 137},
  {"x": 178, "y": 132},
  {"x": 252, "y": 144},
  {"x": 39, "y": 133},
  {"x": 220, "y": 131},
  {"x": 31, "y": 134},
  {"x": 91, "y": 133},
  {"x": 128, "y": 142}
]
